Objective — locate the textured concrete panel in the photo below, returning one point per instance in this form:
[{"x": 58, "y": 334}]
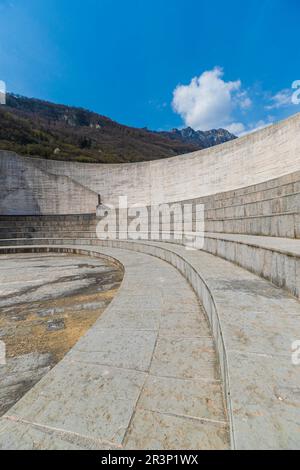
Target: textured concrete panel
[{"x": 47, "y": 187}]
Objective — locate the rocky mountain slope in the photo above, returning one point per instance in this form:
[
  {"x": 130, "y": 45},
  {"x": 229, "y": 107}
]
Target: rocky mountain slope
[{"x": 202, "y": 138}]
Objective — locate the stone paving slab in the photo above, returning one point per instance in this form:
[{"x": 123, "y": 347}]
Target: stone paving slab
[
  {"x": 151, "y": 430},
  {"x": 84, "y": 398},
  {"x": 183, "y": 323},
  {"x": 132, "y": 318},
  {"x": 22, "y": 436},
  {"x": 177, "y": 356},
  {"x": 129, "y": 349},
  {"x": 190, "y": 397},
  {"x": 267, "y": 407}
]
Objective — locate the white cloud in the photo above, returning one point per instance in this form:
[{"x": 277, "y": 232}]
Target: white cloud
[
  {"x": 208, "y": 101},
  {"x": 244, "y": 101},
  {"x": 236, "y": 128},
  {"x": 281, "y": 99},
  {"x": 296, "y": 94}
]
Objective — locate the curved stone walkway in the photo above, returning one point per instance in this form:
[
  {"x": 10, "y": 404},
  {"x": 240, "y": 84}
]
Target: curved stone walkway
[{"x": 145, "y": 376}]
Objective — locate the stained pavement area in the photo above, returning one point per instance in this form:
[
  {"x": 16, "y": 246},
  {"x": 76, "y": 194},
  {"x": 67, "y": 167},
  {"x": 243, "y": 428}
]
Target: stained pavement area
[{"x": 47, "y": 302}]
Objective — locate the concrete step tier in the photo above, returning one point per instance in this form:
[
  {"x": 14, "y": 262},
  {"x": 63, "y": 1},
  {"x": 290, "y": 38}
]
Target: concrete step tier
[
  {"x": 253, "y": 324},
  {"x": 51, "y": 233},
  {"x": 50, "y": 218},
  {"x": 32, "y": 228},
  {"x": 280, "y": 204},
  {"x": 32, "y": 224},
  {"x": 273, "y": 225},
  {"x": 272, "y": 189},
  {"x": 275, "y": 259}
]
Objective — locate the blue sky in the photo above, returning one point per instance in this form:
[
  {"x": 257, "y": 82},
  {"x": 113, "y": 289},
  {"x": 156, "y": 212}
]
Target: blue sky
[{"x": 156, "y": 63}]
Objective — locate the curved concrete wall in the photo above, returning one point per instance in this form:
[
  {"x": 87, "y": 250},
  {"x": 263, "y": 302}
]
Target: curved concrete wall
[
  {"x": 26, "y": 189},
  {"x": 46, "y": 187}
]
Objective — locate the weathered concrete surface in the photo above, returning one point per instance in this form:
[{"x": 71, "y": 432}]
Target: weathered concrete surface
[
  {"x": 144, "y": 376},
  {"x": 253, "y": 324},
  {"x": 47, "y": 302},
  {"x": 275, "y": 259},
  {"x": 48, "y": 187},
  {"x": 28, "y": 189}
]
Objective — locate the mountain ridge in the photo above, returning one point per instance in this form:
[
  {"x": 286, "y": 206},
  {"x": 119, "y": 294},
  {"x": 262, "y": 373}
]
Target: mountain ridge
[{"x": 38, "y": 128}]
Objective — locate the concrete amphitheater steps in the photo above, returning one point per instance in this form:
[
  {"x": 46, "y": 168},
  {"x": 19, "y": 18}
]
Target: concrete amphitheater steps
[
  {"x": 284, "y": 186},
  {"x": 254, "y": 325},
  {"x": 275, "y": 259},
  {"x": 277, "y": 215},
  {"x": 273, "y": 205},
  {"x": 272, "y": 225},
  {"x": 275, "y": 225},
  {"x": 268, "y": 209},
  {"x": 145, "y": 376}
]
